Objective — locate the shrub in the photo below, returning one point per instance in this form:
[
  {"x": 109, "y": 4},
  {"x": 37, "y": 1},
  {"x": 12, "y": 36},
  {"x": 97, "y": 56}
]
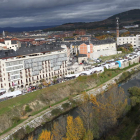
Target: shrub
[
  {"x": 29, "y": 129},
  {"x": 11, "y": 89},
  {"x": 66, "y": 105},
  {"x": 109, "y": 74},
  {"x": 28, "y": 109},
  {"x": 40, "y": 86},
  {"x": 20, "y": 134},
  {"x": 56, "y": 111},
  {"x": 15, "y": 119}
]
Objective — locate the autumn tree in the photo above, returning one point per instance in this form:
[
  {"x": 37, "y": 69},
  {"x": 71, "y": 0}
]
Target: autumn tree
[
  {"x": 88, "y": 135},
  {"x": 45, "y": 135},
  {"x": 30, "y": 138},
  {"x": 109, "y": 107},
  {"x": 75, "y": 128},
  {"x": 87, "y": 115}
]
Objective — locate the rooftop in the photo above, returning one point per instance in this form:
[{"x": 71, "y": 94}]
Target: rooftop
[{"x": 30, "y": 49}]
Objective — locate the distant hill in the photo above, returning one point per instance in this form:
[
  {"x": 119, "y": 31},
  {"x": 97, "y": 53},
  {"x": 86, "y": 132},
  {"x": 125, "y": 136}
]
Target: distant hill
[
  {"x": 126, "y": 18},
  {"x": 21, "y": 29}
]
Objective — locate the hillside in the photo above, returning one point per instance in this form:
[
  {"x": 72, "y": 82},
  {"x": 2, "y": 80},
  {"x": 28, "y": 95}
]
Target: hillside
[{"x": 126, "y": 18}]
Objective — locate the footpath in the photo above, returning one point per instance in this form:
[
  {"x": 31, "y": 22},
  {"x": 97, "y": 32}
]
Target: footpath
[{"x": 94, "y": 91}]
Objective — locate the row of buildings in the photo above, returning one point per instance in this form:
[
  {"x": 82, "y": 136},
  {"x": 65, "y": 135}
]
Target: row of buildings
[
  {"x": 30, "y": 64},
  {"x": 24, "y": 63},
  {"x": 91, "y": 49}
]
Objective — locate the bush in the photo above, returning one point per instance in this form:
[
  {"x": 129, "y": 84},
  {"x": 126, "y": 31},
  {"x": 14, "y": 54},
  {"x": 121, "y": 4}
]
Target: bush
[
  {"x": 134, "y": 91},
  {"x": 15, "y": 119},
  {"x": 124, "y": 76},
  {"x": 11, "y": 89},
  {"x": 40, "y": 86},
  {"x": 29, "y": 129},
  {"x": 109, "y": 74},
  {"x": 66, "y": 105},
  {"x": 28, "y": 109},
  {"x": 56, "y": 111},
  {"x": 20, "y": 134}
]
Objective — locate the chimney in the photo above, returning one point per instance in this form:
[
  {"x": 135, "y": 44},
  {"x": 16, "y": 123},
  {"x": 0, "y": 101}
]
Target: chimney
[{"x": 117, "y": 28}]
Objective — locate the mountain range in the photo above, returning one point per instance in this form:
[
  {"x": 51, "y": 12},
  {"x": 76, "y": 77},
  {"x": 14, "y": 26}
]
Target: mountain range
[
  {"x": 21, "y": 29},
  {"x": 125, "y": 18}
]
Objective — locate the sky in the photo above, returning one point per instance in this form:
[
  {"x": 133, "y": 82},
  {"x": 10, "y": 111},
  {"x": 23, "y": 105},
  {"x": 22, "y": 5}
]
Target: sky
[{"x": 27, "y": 13}]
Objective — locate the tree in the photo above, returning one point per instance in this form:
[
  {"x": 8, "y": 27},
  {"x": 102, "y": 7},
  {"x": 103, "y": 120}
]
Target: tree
[
  {"x": 30, "y": 138},
  {"x": 88, "y": 135},
  {"x": 79, "y": 128},
  {"x": 109, "y": 108},
  {"x": 59, "y": 129},
  {"x": 45, "y": 135},
  {"x": 88, "y": 116},
  {"x": 70, "y": 128},
  {"x": 75, "y": 128}
]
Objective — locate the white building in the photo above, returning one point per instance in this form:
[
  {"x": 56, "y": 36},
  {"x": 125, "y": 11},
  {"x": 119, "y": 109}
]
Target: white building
[
  {"x": 28, "y": 65},
  {"x": 133, "y": 40},
  {"x": 9, "y": 44},
  {"x": 131, "y": 26}
]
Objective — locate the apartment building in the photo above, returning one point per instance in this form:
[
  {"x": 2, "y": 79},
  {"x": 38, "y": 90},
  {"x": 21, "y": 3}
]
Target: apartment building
[
  {"x": 133, "y": 40},
  {"x": 95, "y": 49},
  {"x": 28, "y": 65}
]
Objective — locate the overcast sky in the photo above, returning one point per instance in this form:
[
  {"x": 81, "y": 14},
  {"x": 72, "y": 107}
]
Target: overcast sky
[{"x": 19, "y": 13}]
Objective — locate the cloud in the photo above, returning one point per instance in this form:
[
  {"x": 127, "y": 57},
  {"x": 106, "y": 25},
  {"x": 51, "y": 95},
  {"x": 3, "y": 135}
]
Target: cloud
[{"x": 54, "y": 12}]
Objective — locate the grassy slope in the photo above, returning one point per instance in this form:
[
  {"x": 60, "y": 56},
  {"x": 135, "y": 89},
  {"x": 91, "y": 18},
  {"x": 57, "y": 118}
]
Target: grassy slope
[
  {"x": 105, "y": 58},
  {"x": 8, "y": 105}
]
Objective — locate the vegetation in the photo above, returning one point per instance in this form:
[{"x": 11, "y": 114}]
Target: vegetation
[
  {"x": 93, "y": 120},
  {"x": 15, "y": 119},
  {"x": 66, "y": 105},
  {"x": 28, "y": 109},
  {"x": 105, "y": 58},
  {"x": 56, "y": 111},
  {"x": 134, "y": 95},
  {"x": 41, "y": 99},
  {"x": 29, "y": 129},
  {"x": 126, "y": 49}
]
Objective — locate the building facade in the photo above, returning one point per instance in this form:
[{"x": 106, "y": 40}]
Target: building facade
[
  {"x": 96, "y": 49},
  {"x": 133, "y": 40},
  {"x": 24, "y": 70},
  {"x": 10, "y": 44}
]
